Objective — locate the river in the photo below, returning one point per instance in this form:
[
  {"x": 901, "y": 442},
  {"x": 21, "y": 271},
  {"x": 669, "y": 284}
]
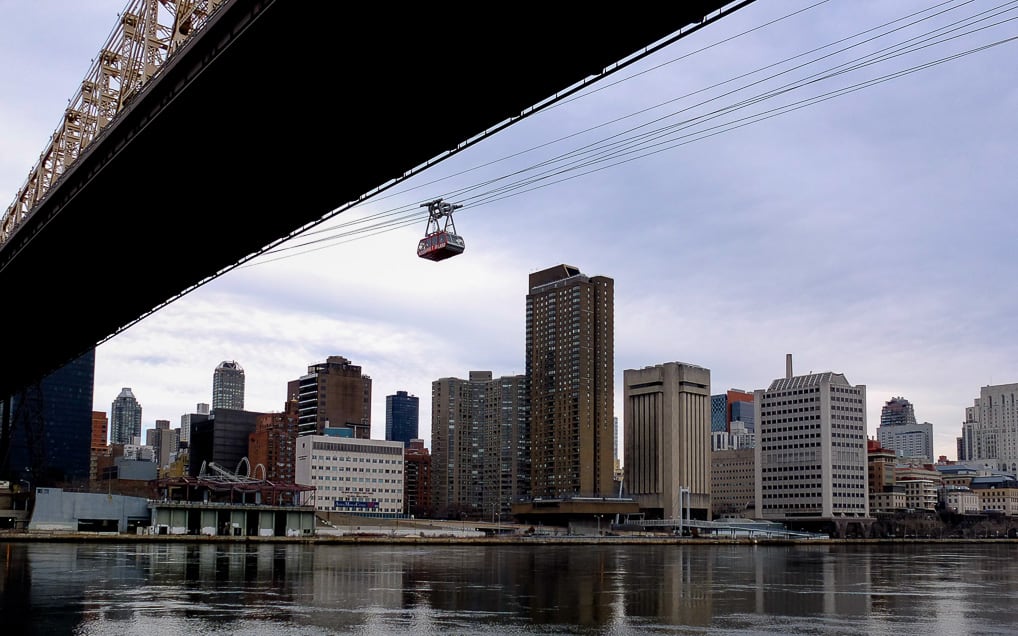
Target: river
[{"x": 287, "y": 589}]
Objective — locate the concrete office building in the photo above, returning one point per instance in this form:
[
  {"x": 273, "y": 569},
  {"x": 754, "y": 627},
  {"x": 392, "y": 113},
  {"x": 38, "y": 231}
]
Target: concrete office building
[
  {"x": 667, "y": 430},
  {"x": 351, "y": 475},
  {"x": 811, "y": 453},
  {"x": 570, "y": 361}
]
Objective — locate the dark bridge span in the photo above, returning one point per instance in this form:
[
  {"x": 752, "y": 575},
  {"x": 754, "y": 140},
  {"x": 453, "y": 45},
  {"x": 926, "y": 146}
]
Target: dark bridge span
[{"x": 275, "y": 114}]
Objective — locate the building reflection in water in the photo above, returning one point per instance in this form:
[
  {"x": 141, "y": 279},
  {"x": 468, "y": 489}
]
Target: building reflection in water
[{"x": 287, "y": 588}]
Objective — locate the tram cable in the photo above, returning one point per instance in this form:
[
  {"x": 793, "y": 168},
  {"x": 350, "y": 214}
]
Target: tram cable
[{"x": 619, "y": 148}]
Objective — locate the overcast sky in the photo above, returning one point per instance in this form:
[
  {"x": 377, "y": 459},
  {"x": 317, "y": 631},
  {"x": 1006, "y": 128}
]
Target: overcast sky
[{"x": 799, "y": 178}]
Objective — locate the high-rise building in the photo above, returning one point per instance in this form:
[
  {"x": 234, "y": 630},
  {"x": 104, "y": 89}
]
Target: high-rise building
[
  {"x": 417, "y": 479},
  {"x": 222, "y": 439},
  {"x": 46, "y": 429},
  {"x": 897, "y": 412},
  {"x": 480, "y": 455},
  {"x": 402, "y": 417},
  {"x": 201, "y": 412},
  {"x": 125, "y": 419},
  {"x": 228, "y": 386},
  {"x": 164, "y": 442},
  {"x": 272, "y": 445},
  {"x": 100, "y": 446},
  {"x": 732, "y": 406},
  {"x": 811, "y": 452},
  {"x": 990, "y": 430},
  {"x": 899, "y": 431},
  {"x": 333, "y": 394},
  {"x": 570, "y": 363},
  {"x": 667, "y": 428}
]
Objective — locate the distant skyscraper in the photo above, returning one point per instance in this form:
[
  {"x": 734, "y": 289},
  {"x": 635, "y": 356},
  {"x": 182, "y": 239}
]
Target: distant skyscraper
[
  {"x": 811, "y": 451},
  {"x": 228, "y": 386},
  {"x": 667, "y": 421},
  {"x": 719, "y": 413},
  {"x": 402, "y": 417},
  {"x": 732, "y": 406},
  {"x": 50, "y": 427},
  {"x": 125, "y": 419},
  {"x": 201, "y": 412},
  {"x": 990, "y": 430},
  {"x": 570, "y": 363},
  {"x": 899, "y": 432},
  {"x": 333, "y": 394},
  {"x": 897, "y": 412},
  {"x": 164, "y": 442}
]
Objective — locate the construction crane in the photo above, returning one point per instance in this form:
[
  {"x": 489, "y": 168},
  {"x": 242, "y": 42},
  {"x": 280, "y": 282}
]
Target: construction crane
[{"x": 440, "y": 240}]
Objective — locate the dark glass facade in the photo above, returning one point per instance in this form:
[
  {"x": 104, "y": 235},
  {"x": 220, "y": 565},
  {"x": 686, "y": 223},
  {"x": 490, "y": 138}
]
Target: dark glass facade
[
  {"x": 49, "y": 428},
  {"x": 402, "y": 417}
]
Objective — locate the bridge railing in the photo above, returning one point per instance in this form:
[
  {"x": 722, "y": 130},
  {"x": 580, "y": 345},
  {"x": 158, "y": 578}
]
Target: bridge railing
[{"x": 146, "y": 35}]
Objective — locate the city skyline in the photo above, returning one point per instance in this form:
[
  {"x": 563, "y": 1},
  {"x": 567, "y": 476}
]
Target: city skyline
[{"x": 830, "y": 232}]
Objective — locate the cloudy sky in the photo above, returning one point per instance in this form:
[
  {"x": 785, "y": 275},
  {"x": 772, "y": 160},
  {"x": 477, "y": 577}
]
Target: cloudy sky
[{"x": 832, "y": 180}]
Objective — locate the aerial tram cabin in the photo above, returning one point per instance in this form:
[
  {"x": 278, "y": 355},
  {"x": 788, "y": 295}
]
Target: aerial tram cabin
[{"x": 440, "y": 240}]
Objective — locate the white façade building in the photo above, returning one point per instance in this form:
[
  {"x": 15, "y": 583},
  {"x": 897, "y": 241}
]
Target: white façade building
[
  {"x": 990, "y": 430},
  {"x": 351, "y": 475},
  {"x": 811, "y": 450}
]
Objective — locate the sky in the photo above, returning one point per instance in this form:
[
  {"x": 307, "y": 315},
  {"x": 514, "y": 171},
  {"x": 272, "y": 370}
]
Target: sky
[{"x": 828, "y": 179}]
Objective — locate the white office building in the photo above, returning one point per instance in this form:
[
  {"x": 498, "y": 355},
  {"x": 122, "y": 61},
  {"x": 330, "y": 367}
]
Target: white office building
[
  {"x": 811, "y": 450},
  {"x": 352, "y": 475},
  {"x": 990, "y": 431}
]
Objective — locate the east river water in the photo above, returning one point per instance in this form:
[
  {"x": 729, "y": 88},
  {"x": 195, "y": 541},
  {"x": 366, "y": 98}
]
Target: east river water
[{"x": 288, "y": 589}]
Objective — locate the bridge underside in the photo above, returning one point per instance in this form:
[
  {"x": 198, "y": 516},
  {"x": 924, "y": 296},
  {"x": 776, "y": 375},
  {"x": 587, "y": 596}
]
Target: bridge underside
[{"x": 276, "y": 114}]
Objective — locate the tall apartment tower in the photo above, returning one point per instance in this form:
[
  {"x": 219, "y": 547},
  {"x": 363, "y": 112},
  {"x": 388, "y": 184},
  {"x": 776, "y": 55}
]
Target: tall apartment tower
[
  {"x": 333, "y": 394},
  {"x": 480, "y": 457},
  {"x": 125, "y": 418},
  {"x": 811, "y": 451},
  {"x": 899, "y": 431},
  {"x": 570, "y": 363},
  {"x": 228, "y": 386},
  {"x": 402, "y": 417},
  {"x": 990, "y": 430},
  {"x": 667, "y": 422}
]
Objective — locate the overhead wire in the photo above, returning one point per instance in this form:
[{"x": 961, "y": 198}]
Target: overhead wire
[{"x": 620, "y": 148}]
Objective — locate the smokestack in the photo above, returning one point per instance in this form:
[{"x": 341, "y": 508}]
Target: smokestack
[{"x": 788, "y": 365}]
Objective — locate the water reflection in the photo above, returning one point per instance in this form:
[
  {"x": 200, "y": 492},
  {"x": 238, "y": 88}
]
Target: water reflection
[{"x": 204, "y": 588}]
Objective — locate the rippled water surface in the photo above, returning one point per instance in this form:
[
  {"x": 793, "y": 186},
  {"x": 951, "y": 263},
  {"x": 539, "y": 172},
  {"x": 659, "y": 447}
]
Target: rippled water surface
[{"x": 290, "y": 589}]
